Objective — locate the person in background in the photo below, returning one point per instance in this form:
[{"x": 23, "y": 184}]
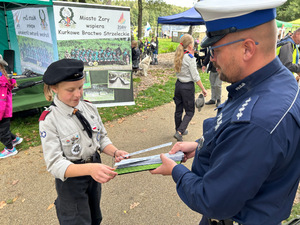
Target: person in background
[
  {"x": 215, "y": 82},
  {"x": 8, "y": 139},
  {"x": 72, "y": 134},
  {"x": 141, "y": 46},
  {"x": 288, "y": 52},
  {"x": 135, "y": 54},
  {"x": 246, "y": 164},
  {"x": 187, "y": 74},
  {"x": 196, "y": 53}
]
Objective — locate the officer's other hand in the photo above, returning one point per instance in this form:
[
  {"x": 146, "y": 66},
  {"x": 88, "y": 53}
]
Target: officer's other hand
[
  {"x": 166, "y": 167},
  {"x": 188, "y": 148},
  {"x": 102, "y": 173}
]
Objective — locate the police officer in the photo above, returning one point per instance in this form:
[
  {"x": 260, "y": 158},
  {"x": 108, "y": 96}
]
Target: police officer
[
  {"x": 246, "y": 165},
  {"x": 288, "y": 52},
  {"x": 72, "y": 133}
]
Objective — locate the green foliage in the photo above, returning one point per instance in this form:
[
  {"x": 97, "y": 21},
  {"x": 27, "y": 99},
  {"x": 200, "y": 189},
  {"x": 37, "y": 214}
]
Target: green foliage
[
  {"x": 289, "y": 11},
  {"x": 152, "y": 9}
]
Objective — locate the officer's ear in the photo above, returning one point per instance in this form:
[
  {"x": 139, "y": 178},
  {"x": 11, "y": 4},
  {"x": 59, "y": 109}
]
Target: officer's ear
[{"x": 249, "y": 48}]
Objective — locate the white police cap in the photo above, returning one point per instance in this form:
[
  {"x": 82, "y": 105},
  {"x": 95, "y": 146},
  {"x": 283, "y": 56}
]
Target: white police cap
[{"x": 227, "y": 16}]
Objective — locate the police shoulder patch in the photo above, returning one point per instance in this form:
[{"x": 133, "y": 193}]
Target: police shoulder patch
[
  {"x": 43, "y": 115},
  {"x": 243, "y": 113}
]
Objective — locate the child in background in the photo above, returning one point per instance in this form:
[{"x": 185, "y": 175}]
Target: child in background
[
  {"x": 72, "y": 133},
  {"x": 8, "y": 139},
  {"x": 187, "y": 74}
]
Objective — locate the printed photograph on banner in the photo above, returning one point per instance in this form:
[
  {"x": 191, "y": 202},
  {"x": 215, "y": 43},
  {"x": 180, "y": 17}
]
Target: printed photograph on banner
[
  {"x": 98, "y": 54},
  {"x": 96, "y": 88},
  {"x": 119, "y": 79}
]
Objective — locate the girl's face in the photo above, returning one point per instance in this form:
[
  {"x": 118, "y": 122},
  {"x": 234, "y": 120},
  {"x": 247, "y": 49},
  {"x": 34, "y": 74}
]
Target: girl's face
[{"x": 69, "y": 92}]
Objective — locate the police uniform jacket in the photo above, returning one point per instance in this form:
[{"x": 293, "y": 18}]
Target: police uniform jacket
[
  {"x": 63, "y": 138},
  {"x": 189, "y": 70},
  {"x": 248, "y": 168}
]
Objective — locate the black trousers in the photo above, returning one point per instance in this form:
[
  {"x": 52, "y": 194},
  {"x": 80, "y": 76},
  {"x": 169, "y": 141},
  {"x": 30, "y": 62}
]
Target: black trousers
[
  {"x": 6, "y": 136},
  {"x": 184, "y": 98},
  {"x": 78, "y": 200}
]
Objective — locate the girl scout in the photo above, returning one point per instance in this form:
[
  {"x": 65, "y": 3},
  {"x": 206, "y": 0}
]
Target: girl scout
[{"x": 71, "y": 133}]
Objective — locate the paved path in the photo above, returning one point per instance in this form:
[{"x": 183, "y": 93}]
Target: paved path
[{"x": 131, "y": 199}]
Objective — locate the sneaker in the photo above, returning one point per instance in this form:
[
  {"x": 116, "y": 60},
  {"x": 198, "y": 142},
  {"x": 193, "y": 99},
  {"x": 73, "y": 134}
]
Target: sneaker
[
  {"x": 210, "y": 102},
  {"x": 8, "y": 152},
  {"x": 17, "y": 141},
  {"x": 178, "y": 136}
]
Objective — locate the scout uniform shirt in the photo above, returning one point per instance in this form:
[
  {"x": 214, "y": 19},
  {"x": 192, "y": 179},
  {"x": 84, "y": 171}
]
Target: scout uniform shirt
[
  {"x": 188, "y": 70},
  {"x": 250, "y": 155},
  {"x": 63, "y": 138}
]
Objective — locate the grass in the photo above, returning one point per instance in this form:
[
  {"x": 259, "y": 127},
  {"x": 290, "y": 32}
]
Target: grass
[
  {"x": 156, "y": 95},
  {"x": 166, "y": 45}
]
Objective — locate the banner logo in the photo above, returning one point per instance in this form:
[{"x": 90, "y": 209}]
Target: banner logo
[
  {"x": 67, "y": 16},
  {"x": 121, "y": 20},
  {"x": 43, "y": 23},
  {"x": 17, "y": 16}
]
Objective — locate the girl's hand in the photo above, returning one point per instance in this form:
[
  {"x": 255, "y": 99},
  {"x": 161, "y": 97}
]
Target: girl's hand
[
  {"x": 102, "y": 173},
  {"x": 204, "y": 92},
  {"x": 120, "y": 155}
]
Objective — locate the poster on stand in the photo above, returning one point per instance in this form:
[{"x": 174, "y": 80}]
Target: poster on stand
[
  {"x": 100, "y": 37},
  {"x": 34, "y": 38}
]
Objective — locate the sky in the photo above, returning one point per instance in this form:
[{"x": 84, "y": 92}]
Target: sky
[{"x": 182, "y": 3}]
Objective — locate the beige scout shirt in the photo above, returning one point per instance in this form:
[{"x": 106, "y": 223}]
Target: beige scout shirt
[
  {"x": 189, "y": 70},
  {"x": 63, "y": 138}
]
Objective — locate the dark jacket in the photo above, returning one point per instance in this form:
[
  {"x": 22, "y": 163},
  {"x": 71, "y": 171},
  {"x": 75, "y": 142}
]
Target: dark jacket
[{"x": 210, "y": 64}]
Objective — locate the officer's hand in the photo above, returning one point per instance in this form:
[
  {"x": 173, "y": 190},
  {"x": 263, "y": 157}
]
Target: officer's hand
[
  {"x": 204, "y": 92},
  {"x": 102, "y": 173},
  {"x": 188, "y": 148},
  {"x": 203, "y": 68},
  {"x": 166, "y": 167}
]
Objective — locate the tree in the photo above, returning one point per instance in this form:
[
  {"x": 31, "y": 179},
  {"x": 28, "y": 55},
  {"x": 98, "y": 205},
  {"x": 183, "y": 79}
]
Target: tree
[
  {"x": 140, "y": 18},
  {"x": 289, "y": 11}
]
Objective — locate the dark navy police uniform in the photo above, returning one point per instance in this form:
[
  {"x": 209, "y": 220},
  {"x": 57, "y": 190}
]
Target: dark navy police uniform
[{"x": 248, "y": 168}]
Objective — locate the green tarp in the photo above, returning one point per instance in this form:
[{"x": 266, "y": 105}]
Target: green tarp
[
  {"x": 30, "y": 97},
  {"x": 286, "y": 24}
]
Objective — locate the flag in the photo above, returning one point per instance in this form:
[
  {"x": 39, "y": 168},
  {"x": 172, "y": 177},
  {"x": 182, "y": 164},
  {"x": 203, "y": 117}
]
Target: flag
[{"x": 148, "y": 27}]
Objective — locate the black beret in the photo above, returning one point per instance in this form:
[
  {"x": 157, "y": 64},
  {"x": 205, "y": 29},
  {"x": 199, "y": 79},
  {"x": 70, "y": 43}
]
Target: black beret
[{"x": 64, "y": 70}]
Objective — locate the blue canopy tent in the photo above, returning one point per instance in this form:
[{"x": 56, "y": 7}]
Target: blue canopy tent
[{"x": 188, "y": 17}]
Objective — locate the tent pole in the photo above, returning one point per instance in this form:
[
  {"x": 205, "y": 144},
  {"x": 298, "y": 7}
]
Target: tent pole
[{"x": 6, "y": 24}]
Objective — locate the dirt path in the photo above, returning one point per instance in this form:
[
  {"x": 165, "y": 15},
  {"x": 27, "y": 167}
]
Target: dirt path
[{"x": 139, "y": 198}]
